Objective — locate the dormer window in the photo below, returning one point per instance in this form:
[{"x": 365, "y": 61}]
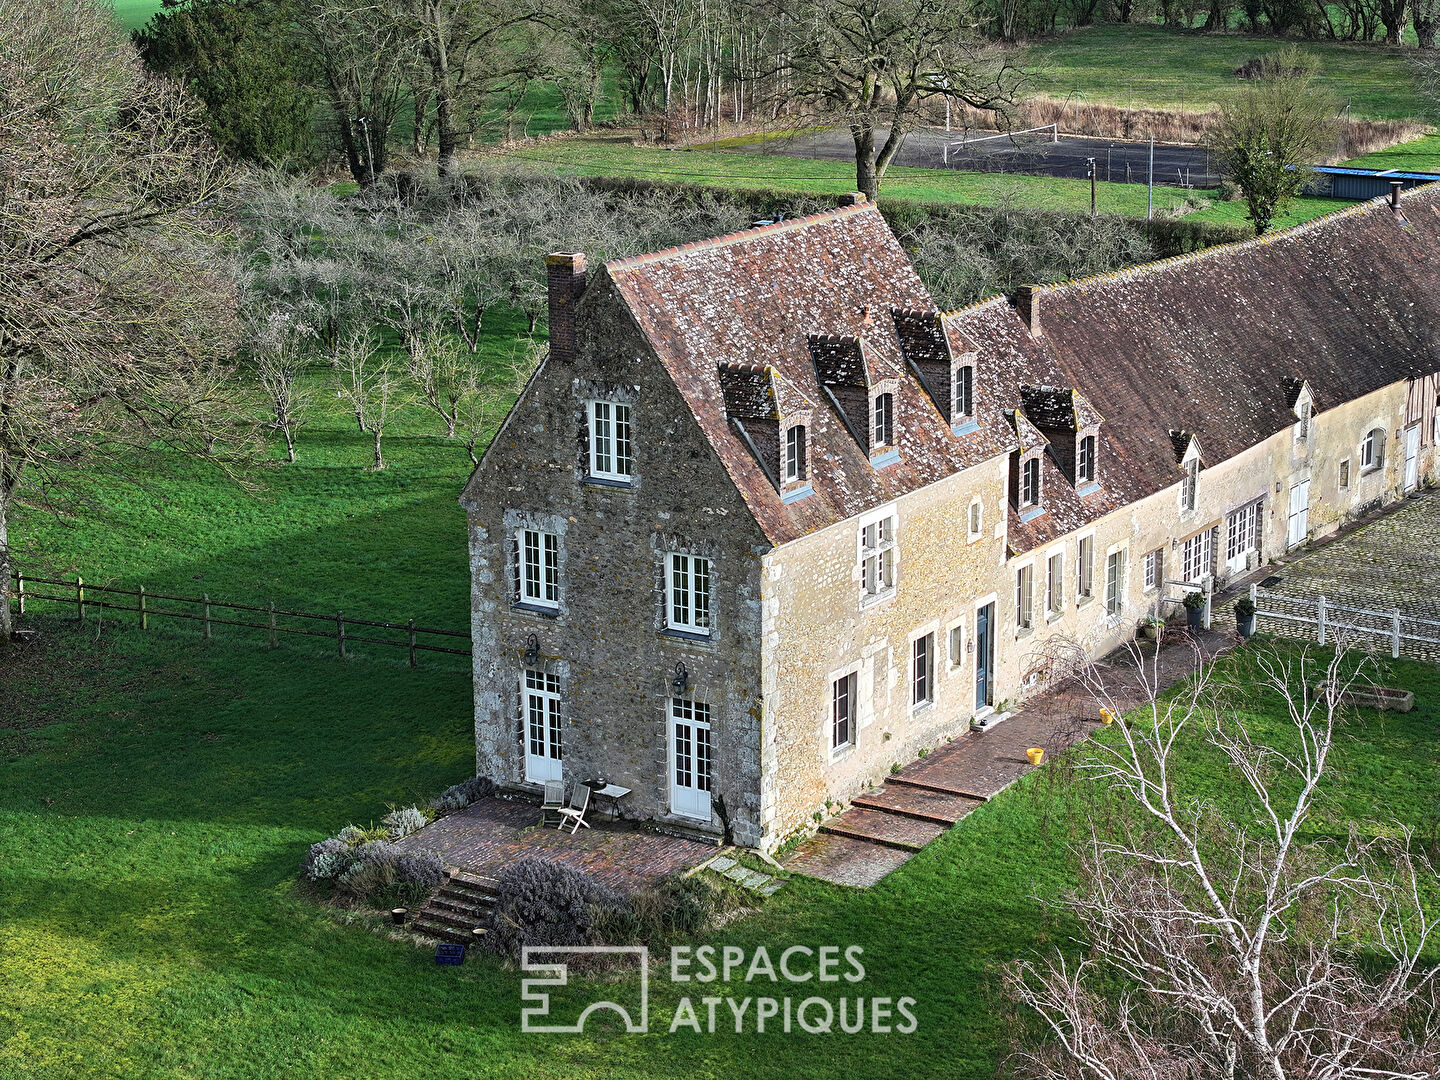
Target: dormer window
[
  {"x": 1190, "y": 486},
  {"x": 1302, "y": 426},
  {"x": 964, "y": 393},
  {"x": 882, "y": 431},
  {"x": 795, "y": 450},
  {"x": 1085, "y": 461},
  {"x": 1030, "y": 482}
]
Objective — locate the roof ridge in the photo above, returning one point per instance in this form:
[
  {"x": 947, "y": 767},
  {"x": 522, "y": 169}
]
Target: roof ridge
[
  {"x": 1324, "y": 221},
  {"x": 632, "y": 262}
]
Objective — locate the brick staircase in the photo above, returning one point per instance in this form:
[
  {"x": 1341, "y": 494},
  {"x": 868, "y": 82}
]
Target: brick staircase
[
  {"x": 905, "y": 814},
  {"x": 463, "y": 904}
]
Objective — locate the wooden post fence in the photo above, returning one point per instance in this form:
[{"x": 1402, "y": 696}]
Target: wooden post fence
[
  {"x": 148, "y": 605},
  {"x": 1395, "y": 634}
]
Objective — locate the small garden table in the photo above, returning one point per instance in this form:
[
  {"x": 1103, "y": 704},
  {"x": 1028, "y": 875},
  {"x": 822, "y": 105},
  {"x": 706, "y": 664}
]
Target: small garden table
[{"x": 613, "y": 792}]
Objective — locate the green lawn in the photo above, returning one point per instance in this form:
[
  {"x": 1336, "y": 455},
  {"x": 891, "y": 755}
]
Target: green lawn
[
  {"x": 134, "y": 14},
  {"x": 1141, "y": 66},
  {"x": 157, "y": 796},
  {"x": 1420, "y": 155},
  {"x": 616, "y": 156}
]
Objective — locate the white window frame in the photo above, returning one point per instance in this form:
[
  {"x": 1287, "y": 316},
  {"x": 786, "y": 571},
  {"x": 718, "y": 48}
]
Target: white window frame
[
  {"x": 878, "y": 554},
  {"x": 927, "y": 675},
  {"x": 1304, "y": 410},
  {"x": 1372, "y": 450},
  {"x": 1190, "y": 486},
  {"x": 797, "y": 451},
  {"x": 538, "y": 568},
  {"x": 955, "y": 644},
  {"x": 1033, "y": 497},
  {"x": 612, "y": 440},
  {"x": 1154, "y": 569},
  {"x": 1085, "y": 470},
  {"x": 1085, "y": 568},
  {"x": 689, "y": 588},
  {"x": 543, "y": 706},
  {"x": 1115, "y": 583},
  {"x": 1242, "y": 530},
  {"x": 1197, "y": 557},
  {"x": 1054, "y": 583},
  {"x": 967, "y": 413},
  {"x": 851, "y": 679},
  {"x": 876, "y": 442},
  {"x": 1024, "y": 598}
]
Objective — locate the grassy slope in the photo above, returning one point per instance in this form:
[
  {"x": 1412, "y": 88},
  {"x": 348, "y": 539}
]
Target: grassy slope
[
  {"x": 152, "y": 816},
  {"x": 617, "y": 157},
  {"x": 134, "y": 14},
  {"x": 1148, "y": 65},
  {"x": 1421, "y": 155}
]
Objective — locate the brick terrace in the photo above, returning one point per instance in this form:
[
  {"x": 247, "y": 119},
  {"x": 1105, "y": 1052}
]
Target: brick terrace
[
  {"x": 881, "y": 831},
  {"x": 489, "y": 833}
]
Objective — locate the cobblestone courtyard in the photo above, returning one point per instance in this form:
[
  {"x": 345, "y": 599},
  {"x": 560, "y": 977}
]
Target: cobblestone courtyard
[{"x": 1390, "y": 563}]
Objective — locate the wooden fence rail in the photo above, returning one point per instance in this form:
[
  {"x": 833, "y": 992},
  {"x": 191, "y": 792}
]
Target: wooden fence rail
[
  {"x": 1322, "y": 618},
  {"x": 337, "y": 627}
]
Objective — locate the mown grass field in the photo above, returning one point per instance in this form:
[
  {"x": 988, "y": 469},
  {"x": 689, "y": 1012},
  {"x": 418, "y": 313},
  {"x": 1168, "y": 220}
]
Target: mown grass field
[
  {"x": 134, "y": 14},
  {"x": 1139, "y": 66},
  {"x": 617, "y": 156},
  {"x": 159, "y": 794},
  {"x": 1419, "y": 155}
]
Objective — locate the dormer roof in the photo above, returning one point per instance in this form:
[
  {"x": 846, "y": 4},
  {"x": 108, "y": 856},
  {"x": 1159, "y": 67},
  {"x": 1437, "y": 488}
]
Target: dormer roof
[
  {"x": 1027, "y": 435},
  {"x": 1054, "y": 408}
]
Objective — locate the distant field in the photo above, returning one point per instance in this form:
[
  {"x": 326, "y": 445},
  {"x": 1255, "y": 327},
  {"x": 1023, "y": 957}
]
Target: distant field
[
  {"x": 616, "y": 157},
  {"x": 1421, "y": 155},
  {"x": 1149, "y": 65},
  {"x": 135, "y": 13}
]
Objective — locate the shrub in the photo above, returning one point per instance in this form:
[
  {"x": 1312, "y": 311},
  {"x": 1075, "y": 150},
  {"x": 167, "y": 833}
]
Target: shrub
[
  {"x": 1194, "y": 601},
  {"x": 326, "y": 859},
  {"x": 401, "y": 823},
  {"x": 544, "y": 903},
  {"x": 1244, "y": 607},
  {"x": 371, "y": 870},
  {"x": 685, "y": 905},
  {"x": 424, "y": 870},
  {"x": 351, "y": 835},
  {"x": 462, "y": 795}
]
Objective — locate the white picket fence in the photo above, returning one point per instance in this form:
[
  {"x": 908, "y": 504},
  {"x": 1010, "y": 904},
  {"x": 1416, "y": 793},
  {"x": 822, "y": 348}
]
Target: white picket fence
[{"x": 1325, "y": 621}]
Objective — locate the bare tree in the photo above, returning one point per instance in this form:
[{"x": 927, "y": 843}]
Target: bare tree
[
  {"x": 438, "y": 375},
  {"x": 113, "y": 328},
  {"x": 483, "y": 401},
  {"x": 284, "y": 359},
  {"x": 874, "y": 65},
  {"x": 1218, "y": 939},
  {"x": 372, "y": 380}
]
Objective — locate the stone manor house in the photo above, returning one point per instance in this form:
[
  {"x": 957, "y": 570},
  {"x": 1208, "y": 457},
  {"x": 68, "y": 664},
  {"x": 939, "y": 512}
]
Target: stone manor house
[{"x": 765, "y": 522}]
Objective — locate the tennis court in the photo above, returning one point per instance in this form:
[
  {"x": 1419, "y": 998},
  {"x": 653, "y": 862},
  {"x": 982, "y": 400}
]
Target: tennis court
[{"x": 1035, "y": 153}]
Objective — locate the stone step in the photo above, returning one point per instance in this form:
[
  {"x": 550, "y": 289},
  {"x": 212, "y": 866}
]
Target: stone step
[
  {"x": 881, "y": 827},
  {"x": 443, "y": 931},
  {"x": 461, "y": 920},
  {"x": 942, "y": 789},
  {"x": 919, "y": 803},
  {"x": 474, "y": 881},
  {"x": 460, "y": 906},
  {"x": 845, "y": 860}
]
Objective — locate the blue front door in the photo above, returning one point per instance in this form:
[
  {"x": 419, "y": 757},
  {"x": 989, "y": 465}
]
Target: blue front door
[{"x": 984, "y": 653}]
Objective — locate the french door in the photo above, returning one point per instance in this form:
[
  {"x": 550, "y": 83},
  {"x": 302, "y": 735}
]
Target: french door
[
  {"x": 984, "y": 653},
  {"x": 1242, "y": 537},
  {"x": 543, "y": 748},
  {"x": 1412, "y": 458},
  {"x": 690, "y": 758},
  {"x": 1299, "y": 514}
]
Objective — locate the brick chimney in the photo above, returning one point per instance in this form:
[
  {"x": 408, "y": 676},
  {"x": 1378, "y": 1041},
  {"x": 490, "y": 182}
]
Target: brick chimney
[
  {"x": 1395, "y": 186},
  {"x": 565, "y": 283},
  {"x": 1027, "y": 306},
  {"x": 852, "y": 198}
]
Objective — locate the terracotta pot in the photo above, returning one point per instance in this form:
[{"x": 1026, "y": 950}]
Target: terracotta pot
[{"x": 397, "y": 915}]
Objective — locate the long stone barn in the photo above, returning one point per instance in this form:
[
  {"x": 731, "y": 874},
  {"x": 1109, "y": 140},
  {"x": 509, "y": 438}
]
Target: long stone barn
[{"x": 766, "y": 523}]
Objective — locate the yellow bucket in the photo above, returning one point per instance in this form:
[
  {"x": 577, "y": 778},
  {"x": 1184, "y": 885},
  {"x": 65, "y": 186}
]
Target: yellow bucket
[
  {"x": 1107, "y": 717},
  {"x": 1036, "y": 754}
]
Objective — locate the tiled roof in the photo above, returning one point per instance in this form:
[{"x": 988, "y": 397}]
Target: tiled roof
[
  {"x": 759, "y": 297},
  {"x": 1201, "y": 343}
]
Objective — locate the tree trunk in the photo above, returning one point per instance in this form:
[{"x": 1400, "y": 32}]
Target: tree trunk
[
  {"x": 446, "y": 137},
  {"x": 1392, "y": 17},
  {"x": 5, "y": 622},
  {"x": 290, "y": 444},
  {"x": 865, "y": 179},
  {"x": 417, "y": 136},
  {"x": 379, "y": 458},
  {"x": 1425, "y": 26}
]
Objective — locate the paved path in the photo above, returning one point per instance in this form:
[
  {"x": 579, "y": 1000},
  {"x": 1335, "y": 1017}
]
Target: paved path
[
  {"x": 489, "y": 833},
  {"x": 880, "y": 832}
]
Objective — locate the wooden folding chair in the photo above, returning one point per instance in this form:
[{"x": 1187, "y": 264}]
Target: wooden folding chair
[
  {"x": 573, "y": 814},
  {"x": 553, "y": 803}
]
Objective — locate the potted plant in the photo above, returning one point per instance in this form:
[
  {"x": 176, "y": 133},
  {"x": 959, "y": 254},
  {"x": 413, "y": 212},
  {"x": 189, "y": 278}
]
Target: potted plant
[
  {"x": 1196, "y": 604},
  {"x": 1151, "y": 626},
  {"x": 1245, "y": 617}
]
